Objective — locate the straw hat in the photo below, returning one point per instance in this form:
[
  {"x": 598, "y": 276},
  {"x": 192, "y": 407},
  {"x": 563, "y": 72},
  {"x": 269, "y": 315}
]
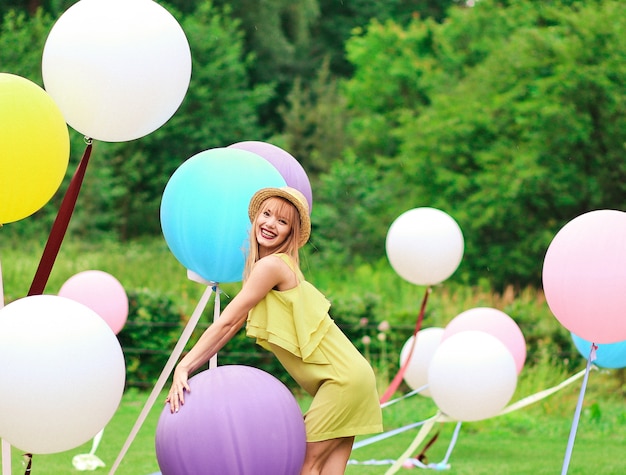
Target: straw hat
[{"x": 292, "y": 195}]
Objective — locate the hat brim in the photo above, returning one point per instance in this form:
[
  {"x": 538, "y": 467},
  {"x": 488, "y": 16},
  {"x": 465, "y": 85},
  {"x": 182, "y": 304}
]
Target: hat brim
[{"x": 294, "y": 197}]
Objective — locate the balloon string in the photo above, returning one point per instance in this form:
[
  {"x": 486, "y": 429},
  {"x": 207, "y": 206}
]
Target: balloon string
[
  {"x": 579, "y": 405},
  {"x": 386, "y": 435},
  {"x": 216, "y": 315},
  {"x": 398, "y": 399},
  {"x": 1, "y": 287},
  {"x": 60, "y": 225},
  {"x": 96, "y": 442},
  {"x": 28, "y": 457},
  {"x": 422, "y": 455},
  {"x": 400, "y": 375},
  {"x": 455, "y": 436},
  {"x": 6, "y": 458},
  {"x": 6, "y": 447},
  {"x": 421, "y": 435},
  {"x": 169, "y": 366},
  {"x": 442, "y": 418}
]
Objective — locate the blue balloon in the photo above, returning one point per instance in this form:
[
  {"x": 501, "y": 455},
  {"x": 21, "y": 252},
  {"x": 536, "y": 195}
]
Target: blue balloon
[
  {"x": 204, "y": 210},
  {"x": 608, "y": 355}
]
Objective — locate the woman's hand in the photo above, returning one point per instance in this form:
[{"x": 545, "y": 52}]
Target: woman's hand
[{"x": 176, "y": 396}]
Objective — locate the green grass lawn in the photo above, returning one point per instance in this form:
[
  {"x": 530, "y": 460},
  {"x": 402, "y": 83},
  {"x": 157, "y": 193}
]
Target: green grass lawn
[{"x": 532, "y": 440}]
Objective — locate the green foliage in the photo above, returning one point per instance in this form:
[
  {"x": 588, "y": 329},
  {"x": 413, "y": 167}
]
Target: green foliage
[
  {"x": 21, "y": 43},
  {"x": 530, "y": 146},
  {"x": 314, "y": 122},
  {"x": 149, "y": 335},
  {"x": 521, "y": 128},
  {"x": 339, "y": 19},
  {"x": 348, "y": 217},
  {"x": 394, "y": 72},
  {"x": 277, "y": 31}
]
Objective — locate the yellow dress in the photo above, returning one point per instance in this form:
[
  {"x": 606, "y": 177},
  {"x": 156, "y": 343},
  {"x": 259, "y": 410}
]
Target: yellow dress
[{"x": 295, "y": 326}]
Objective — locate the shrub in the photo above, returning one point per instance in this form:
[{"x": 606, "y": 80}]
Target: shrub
[{"x": 150, "y": 333}]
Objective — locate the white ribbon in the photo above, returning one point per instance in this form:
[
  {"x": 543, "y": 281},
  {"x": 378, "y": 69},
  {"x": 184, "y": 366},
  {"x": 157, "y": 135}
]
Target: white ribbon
[
  {"x": 89, "y": 461},
  {"x": 427, "y": 425},
  {"x": 6, "y": 447},
  {"x": 165, "y": 374}
]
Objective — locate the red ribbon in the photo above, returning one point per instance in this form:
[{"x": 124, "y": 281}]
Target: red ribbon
[
  {"x": 400, "y": 375},
  {"x": 57, "y": 233}
]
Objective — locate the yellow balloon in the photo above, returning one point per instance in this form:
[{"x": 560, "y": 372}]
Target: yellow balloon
[{"x": 34, "y": 147}]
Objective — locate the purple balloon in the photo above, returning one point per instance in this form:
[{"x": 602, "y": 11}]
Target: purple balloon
[
  {"x": 236, "y": 420},
  {"x": 284, "y": 162}
]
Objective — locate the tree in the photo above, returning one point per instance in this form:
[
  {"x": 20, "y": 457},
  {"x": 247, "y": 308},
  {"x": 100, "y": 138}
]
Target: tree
[
  {"x": 278, "y": 33},
  {"x": 349, "y": 217},
  {"x": 338, "y": 20},
  {"x": 315, "y": 122},
  {"x": 395, "y": 70},
  {"x": 22, "y": 39},
  {"x": 515, "y": 126}
]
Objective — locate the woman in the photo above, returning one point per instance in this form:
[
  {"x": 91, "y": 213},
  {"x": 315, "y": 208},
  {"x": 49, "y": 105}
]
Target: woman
[{"x": 289, "y": 317}]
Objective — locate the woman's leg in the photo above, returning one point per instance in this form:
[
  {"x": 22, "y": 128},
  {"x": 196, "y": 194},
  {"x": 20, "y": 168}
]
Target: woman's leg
[{"x": 327, "y": 457}]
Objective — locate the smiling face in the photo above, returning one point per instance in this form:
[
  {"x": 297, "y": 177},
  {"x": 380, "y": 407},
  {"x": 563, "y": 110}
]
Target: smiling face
[{"x": 273, "y": 225}]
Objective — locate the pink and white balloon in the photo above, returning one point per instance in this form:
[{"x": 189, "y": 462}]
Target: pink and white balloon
[
  {"x": 496, "y": 323},
  {"x": 472, "y": 376},
  {"x": 62, "y": 374},
  {"x": 426, "y": 343},
  {"x": 584, "y": 276},
  {"x": 102, "y": 293},
  {"x": 424, "y": 246},
  {"x": 118, "y": 69}
]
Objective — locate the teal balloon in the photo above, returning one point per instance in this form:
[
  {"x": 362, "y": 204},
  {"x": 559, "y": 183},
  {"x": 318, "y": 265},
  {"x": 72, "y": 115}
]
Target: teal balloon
[
  {"x": 608, "y": 355},
  {"x": 204, "y": 210}
]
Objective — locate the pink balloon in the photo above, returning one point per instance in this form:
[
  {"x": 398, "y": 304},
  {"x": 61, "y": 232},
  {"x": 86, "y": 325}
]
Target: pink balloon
[
  {"x": 494, "y": 322},
  {"x": 584, "y": 276},
  {"x": 102, "y": 293},
  {"x": 289, "y": 168}
]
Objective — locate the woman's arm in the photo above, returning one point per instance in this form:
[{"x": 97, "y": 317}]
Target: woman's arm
[{"x": 268, "y": 273}]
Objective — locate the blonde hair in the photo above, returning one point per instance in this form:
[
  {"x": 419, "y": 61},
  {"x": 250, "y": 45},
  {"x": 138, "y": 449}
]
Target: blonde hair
[{"x": 289, "y": 247}]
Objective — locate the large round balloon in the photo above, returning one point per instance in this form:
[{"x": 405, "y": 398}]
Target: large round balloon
[
  {"x": 236, "y": 420},
  {"x": 285, "y": 163},
  {"x": 608, "y": 355},
  {"x": 496, "y": 323},
  {"x": 424, "y": 246},
  {"x": 584, "y": 276},
  {"x": 427, "y": 342},
  {"x": 102, "y": 293},
  {"x": 204, "y": 210},
  {"x": 472, "y": 376},
  {"x": 61, "y": 374},
  {"x": 118, "y": 69},
  {"x": 34, "y": 148}
]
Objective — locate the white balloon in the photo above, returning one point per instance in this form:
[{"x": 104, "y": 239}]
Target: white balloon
[
  {"x": 472, "y": 376},
  {"x": 416, "y": 374},
  {"x": 118, "y": 69},
  {"x": 424, "y": 246},
  {"x": 496, "y": 323},
  {"x": 62, "y": 373}
]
